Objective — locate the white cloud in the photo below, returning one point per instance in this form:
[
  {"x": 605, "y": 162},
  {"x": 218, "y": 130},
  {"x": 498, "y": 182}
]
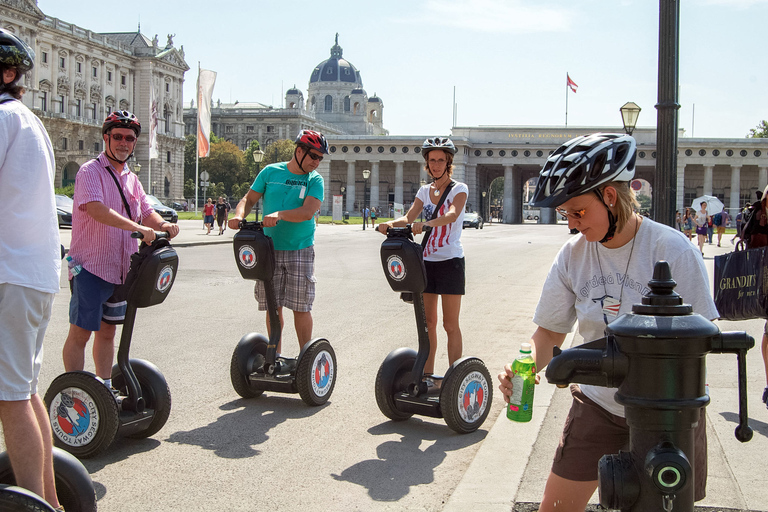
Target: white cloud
[{"x": 498, "y": 16}]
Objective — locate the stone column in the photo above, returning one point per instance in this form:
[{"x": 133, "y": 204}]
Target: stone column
[
  {"x": 350, "y": 187},
  {"x": 324, "y": 169},
  {"x": 509, "y": 204},
  {"x": 398, "y": 182},
  {"x": 708, "y": 179},
  {"x": 374, "y": 200},
  {"x": 470, "y": 174},
  {"x": 733, "y": 204},
  {"x": 762, "y": 177}
]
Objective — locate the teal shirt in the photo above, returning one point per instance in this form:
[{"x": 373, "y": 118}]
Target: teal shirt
[{"x": 283, "y": 190}]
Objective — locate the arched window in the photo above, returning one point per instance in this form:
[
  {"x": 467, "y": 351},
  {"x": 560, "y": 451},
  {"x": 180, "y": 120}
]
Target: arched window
[
  {"x": 346, "y": 104},
  {"x": 167, "y": 118},
  {"x": 356, "y": 109},
  {"x": 328, "y": 103},
  {"x": 372, "y": 116}
]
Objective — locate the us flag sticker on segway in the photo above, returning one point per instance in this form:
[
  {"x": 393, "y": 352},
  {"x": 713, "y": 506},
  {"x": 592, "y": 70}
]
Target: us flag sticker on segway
[
  {"x": 165, "y": 279},
  {"x": 395, "y": 267},
  {"x": 74, "y": 417},
  {"x": 246, "y": 257}
]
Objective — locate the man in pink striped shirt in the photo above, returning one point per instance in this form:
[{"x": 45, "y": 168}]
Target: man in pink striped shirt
[{"x": 110, "y": 204}]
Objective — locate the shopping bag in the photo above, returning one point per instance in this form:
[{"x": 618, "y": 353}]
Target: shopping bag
[{"x": 741, "y": 284}]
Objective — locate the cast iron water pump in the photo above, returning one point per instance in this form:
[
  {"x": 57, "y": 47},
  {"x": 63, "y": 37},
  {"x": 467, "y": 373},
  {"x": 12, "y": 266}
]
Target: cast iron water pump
[{"x": 656, "y": 357}]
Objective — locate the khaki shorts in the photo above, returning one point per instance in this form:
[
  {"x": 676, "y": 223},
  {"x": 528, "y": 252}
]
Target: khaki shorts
[
  {"x": 293, "y": 281},
  {"x": 24, "y": 316},
  {"x": 591, "y": 432},
  {"x": 720, "y": 230}
]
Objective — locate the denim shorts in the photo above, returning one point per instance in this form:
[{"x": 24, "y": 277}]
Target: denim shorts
[{"x": 93, "y": 301}]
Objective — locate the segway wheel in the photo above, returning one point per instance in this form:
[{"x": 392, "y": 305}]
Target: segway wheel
[
  {"x": 250, "y": 354},
  {"x": 83, "y": 414},
  {"x": 391, "y": 379},
  {"x": 74, "y": 486},
  {"x": 465, "y": 396},
  {"x": 316, "y": 373},
  {"x": 154, "y": 390},
  {"x": 18, "y": 499}
]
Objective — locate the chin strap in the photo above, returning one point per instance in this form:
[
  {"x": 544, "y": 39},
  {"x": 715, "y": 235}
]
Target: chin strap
[
  {"x": 306, "y": 152},
  {"x": 611, "y": 220},
  {"x": 111, "y": 153}
]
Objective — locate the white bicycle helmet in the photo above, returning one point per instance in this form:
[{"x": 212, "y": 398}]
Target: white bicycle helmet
[
  {"x": 443, "y": 143},
  {"x": 584, "y": 164}
]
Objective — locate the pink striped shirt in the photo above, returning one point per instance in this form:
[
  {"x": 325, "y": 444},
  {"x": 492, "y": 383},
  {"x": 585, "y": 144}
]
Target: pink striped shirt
[{"x": 103, "y": 250}]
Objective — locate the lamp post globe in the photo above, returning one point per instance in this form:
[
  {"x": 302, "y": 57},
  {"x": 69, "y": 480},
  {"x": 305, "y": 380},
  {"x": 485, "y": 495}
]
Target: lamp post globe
[
  {"x": 258, "y": 156},
  {"x": 366, "y": 175},
  {"x": 629, "y": 114}
]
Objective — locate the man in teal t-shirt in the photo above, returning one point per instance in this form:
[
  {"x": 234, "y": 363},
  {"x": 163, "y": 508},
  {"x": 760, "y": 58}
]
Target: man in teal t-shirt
[{"x": 292, "y": 192}]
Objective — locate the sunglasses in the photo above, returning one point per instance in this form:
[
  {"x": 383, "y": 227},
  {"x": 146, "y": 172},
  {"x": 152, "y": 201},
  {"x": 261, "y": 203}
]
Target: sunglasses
[
  {"x": 316, "y": 158},
  {"x": 126, "y": 138},
  {"x": 576, "y": 214}
]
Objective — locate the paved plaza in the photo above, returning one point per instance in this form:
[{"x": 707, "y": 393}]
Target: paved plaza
[{"x": 221, "y": 452}]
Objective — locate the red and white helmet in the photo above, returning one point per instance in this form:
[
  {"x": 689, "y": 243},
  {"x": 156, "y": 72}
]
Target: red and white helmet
[
  {"x": 121, "y": 119},
  {"x": 312, "y": 139}
]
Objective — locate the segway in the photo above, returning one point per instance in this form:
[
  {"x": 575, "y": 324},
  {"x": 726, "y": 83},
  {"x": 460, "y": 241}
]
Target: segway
[
  {"x": 85, "y": 415},
  {"x": 74, "y": 486},
  {"x": 255, "y": 366},
  {"x": 464, "y": 398}
]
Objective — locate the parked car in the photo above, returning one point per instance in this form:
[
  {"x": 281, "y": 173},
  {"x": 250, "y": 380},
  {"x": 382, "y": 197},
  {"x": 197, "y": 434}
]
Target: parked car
[
  {"x": 64, "y": 210},
  {"x": 165, "y": 212},
  {"x": 472, "y": 220}
]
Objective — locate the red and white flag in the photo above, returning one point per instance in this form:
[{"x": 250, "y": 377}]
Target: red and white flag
[
  {"x": 571, "y": 83},
  {"x": 153, "y": 152},
  {"x": 205, "y": 82}
]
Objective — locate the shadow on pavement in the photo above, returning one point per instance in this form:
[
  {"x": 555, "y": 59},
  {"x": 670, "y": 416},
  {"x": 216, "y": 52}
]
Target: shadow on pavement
[
  {"x": 757, "y": 426},
  {"x": 404, "y": 463}
]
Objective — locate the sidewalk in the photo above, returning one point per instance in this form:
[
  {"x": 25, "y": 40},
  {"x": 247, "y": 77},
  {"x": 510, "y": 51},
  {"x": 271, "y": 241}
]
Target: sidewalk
[{"x": 511, "y": 468}]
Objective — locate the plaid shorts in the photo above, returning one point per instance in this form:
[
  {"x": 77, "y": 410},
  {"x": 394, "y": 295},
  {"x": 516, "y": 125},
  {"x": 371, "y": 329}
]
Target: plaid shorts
[
  {"x": 591, "y": 432},
  {"x": 293, "y": 280}
]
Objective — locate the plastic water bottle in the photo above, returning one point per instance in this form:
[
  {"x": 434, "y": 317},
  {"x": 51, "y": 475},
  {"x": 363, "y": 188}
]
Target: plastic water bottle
[
  {"x": 74, "y": 267},
  {"x": 520, "y": 407}
]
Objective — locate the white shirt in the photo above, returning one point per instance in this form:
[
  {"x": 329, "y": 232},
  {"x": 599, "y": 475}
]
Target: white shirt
[
  {"x": 445, "y": 241},
  {"x": 586, "y": 279},
  {"x": 30, "y": 251}
]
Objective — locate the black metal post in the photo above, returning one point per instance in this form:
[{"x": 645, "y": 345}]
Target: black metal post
[{"x": 665, "y": 186}]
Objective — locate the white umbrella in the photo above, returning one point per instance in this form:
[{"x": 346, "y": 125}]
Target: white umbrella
[{"x": 714, "y": 205}]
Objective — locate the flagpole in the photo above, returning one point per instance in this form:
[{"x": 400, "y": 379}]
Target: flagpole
[
  {"x": 566, "y": 100},
  {"x": 149, "y": 171},
  {"x": 197, "y": 138}
]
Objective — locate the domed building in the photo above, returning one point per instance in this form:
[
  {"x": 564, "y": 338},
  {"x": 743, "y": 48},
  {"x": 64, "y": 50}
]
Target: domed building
[{"x": 336, "y": 96}]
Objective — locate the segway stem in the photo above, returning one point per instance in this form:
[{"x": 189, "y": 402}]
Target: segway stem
[
  {"x": 275, "y": 329},
  {"x": 423, "y": 353},
  {"x": 134, "y": 402}
]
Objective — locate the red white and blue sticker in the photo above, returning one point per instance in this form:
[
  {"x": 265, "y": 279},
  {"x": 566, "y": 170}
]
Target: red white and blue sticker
[
  {"x": 247, "y": 257},
  {"x": 473, "y": 397},
  {"x": 396, "y": 268},
  {"x": 165, "y": 279},
  {"x": 74, "y": 417},
  {"x": 322, "y": 373}
]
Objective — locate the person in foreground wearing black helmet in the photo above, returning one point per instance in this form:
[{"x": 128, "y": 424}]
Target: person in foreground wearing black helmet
[
  {"x": 597, "y": 276},
  {"x": 109, "y": 204},
  {"x": 30, "y": 263},
  {"x": 292, "y": 192},
  {"x": 443, "y": 252}
]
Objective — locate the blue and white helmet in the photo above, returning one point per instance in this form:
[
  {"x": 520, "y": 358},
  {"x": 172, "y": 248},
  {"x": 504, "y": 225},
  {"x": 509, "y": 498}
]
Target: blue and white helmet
[{"x": 584, "y": 164}]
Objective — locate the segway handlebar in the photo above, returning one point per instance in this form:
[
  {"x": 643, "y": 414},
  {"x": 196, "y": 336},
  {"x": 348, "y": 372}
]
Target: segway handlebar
[
  {"x": 406, "y": 230},
  {"x": 158, "y": 235},
  {"x": 244, "y": 224}
]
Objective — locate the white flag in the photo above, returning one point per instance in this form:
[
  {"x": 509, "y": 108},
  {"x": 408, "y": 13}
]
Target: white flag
[
  {"x": 153, "y": 153},
  {"x": 205, "y": 82}
]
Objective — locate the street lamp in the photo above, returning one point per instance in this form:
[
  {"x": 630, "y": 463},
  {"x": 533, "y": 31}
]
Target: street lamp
[
  {"x": 484, "y": 208},
  {"x": 366, "y": 175},
  {"x": 258, "y": 156},
  {"x": 629, "y": 114},
  {"x": 421, "y": 214},
  {"x": 137, "y": 168},
  {"x": 153, "y": 188}
]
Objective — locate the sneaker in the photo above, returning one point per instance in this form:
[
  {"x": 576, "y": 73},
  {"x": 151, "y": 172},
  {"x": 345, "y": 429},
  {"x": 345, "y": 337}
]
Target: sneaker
[
  {"x": 287, "y": 365},
  {"x": 765, "y": 396},
  {"x": 433, "y": 384}
]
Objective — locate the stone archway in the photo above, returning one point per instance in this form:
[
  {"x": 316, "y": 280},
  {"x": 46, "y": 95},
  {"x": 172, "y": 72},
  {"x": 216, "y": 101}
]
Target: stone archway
[{"x": 68, "y": 173}]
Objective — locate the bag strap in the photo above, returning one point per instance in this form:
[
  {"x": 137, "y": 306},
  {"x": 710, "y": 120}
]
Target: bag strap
[
  {"x": 426, "y": 236},
  {"x": 122, "y": 195}
]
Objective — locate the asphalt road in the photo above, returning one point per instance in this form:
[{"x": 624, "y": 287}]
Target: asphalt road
[{"x": 221, "y": 452}]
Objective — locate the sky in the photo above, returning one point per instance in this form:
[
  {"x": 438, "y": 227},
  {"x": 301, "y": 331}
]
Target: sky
[{"x": 506, "y": 60}]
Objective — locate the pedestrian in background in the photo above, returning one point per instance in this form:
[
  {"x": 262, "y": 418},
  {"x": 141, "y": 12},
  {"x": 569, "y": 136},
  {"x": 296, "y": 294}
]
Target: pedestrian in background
[
  {"x": 221, "y": 214},
  {"x": 701, "y": 219},
  {"x": 721, "y": 221},
  {"x": 208, "y": 211},
  {"x": 30, "y": 264}
]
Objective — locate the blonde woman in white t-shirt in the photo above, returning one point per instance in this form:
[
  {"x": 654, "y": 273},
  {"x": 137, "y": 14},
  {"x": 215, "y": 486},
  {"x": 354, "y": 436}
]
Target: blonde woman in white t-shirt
[{"x": 443, "y": 252}]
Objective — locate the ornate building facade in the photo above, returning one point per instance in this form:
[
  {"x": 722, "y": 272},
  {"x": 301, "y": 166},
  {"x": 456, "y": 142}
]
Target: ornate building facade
[{"x": 80, "y": 76}]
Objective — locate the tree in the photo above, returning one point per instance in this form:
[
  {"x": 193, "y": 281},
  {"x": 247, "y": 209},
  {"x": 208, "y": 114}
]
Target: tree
[
  {"x": 225, "y": 163},
  {"x": 278, "y": 151},
  {"x": 645, "y": 201},
  {"x": 760, "y": 132}
]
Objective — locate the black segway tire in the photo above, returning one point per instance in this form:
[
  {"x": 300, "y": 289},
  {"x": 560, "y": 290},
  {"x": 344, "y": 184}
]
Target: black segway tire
[
  {"x": 466, "y": 394},
  {"x": 250, "y": 353},
  {"x": 74, "y": 486},
  {"x": 390, "y": 379},
  {"x": 77, "y": 401},
  {"x": 154, "y": 390},
  {"x": 18, "y": 499},
  {"x": 316, "y": 372}
]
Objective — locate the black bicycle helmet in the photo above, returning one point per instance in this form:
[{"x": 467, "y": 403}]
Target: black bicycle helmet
[
  {"x": 121, "y": 119},
  {"x": 15, "y": 53},
  {"x": 443, "y": 143},
  {"x": 312, "y": 139},
  {"x": 584, "y": 164}
]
